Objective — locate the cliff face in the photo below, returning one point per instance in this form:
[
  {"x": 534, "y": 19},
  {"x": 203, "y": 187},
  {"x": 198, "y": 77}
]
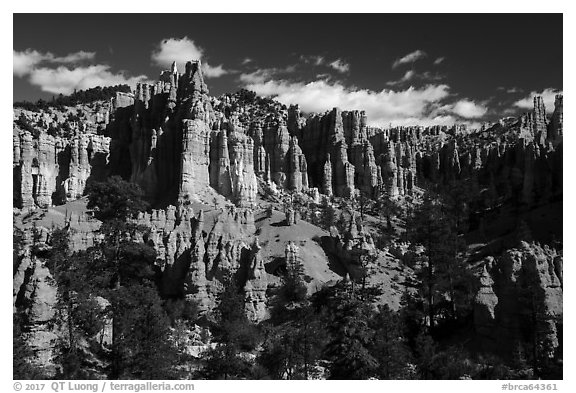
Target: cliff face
[
  {"x": 178, "y": 145},
  {"x": 194, "y": 254},
  {"x": 520, "y": 298},
  {"x": 52, "y": 170},
  {"x": 339, "y": 155}
]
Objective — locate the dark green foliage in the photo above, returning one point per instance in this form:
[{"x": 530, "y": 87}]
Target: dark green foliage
[
  {"x": 390, "y": 347},
  {"x": 291, "y": 349},
  {"x": 224, "y": 362},
  {"x": 233, "y": 326},
  {"x": 77, "y": 312},
  {"x": 24, "y": 124},
  {"x": 142, "y": 329},
  {"x": 22, "y": 354},
  {"x": 234, "y": 333},
  {"x": 442, "y": 271},
  {"x": 293, "y": 288},
  {"x": 351, "y": 337},
  {"x": 120, "y": 272},
  {"x": 115, "y": 198},
  {"x": 181, "y": 309},
  {"x": 425, "y": 354},
  {"x": 78, "y": 97}
]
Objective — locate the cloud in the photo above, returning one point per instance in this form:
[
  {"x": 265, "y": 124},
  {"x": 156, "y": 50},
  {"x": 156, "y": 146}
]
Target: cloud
[
  {"x": 410, "y": 106},
  {"x": 258, "y": 76},
  {"x": 469, "y": 109},
  {"x": 510, "y": 90},
  {"x": 439, "y": 60},
  {"x": 75, "y": 57},
  {"x": 340, "y": 66},
  {"x": 264, "y": 74},
  {"x": 313, "y": 59},
  {"x": 63, "y": 80},
  {"x": 213, "y": 72},
  {"x": 409, "y": 58},
  {"x": 25, "y": 61},
  {"x": 316, "y": 60},
  {"x": 181, "y": 51},
  {"x": 548, "y": 95},
  {"x": 408, "y": 76},
  {"x": 412, "y": 75}
]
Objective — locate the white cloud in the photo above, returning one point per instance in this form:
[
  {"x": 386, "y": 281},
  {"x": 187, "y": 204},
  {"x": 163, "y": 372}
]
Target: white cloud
[
  {"x": 412, "y": 75},
  {"x": 63, "y": 80},
  {"x": 213, "y": 72},
  {"x": 313, "y": 59},
  {"x": 409, "y": 75},
  {"x": 410, "y": 106},
  {"x": 469, "y": 109},
  {"x": 183, "y": 50},
  {"x": 409, "y": 58},
  {"x": 548, "y": 95},
  {"x": 63, "y": 74},
  {"x": 264, "y": 74},
  {"x": 316, "y": 60},
  {"x": 439, "y": 60},
  {"x": 340, "y": 66},
  {"x": 258, "y": 76},
  {"x": 180, "y": 50},
  {"x": 25, "y": 61},
  {"x": 75, "y": 57}
]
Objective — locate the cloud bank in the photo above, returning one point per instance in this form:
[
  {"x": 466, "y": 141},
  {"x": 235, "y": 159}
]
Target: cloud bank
[
  {"x": 63, "y": 74},
  {"x": 412, "y": 106},
  {"x": 62, "y": 80},
  {"x": 25, "y": 61}
]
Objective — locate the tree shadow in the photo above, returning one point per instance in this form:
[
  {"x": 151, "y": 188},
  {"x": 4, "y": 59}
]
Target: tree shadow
[
  {"x": 334, "y": 262},
  {"x": 282, "y": 223}
]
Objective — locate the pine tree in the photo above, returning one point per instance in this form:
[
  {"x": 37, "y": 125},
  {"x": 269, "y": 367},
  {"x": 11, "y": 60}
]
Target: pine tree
[
  {"x": 293, "y": 288},
  {"x": 143, "y": 331},
  {"x": 234, "y": 333},
  {"x": 390, "y": 348},
  {"x": 351, "y": 337},
  {"x": 441, "y": 269}
]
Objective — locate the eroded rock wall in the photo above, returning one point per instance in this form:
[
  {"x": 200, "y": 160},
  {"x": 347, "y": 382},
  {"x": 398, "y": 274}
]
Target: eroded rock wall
[{"x": 520, "y": 299}]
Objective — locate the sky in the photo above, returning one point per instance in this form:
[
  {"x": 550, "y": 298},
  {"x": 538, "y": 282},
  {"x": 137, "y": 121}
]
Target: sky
[{"x": 402, "y": 69}]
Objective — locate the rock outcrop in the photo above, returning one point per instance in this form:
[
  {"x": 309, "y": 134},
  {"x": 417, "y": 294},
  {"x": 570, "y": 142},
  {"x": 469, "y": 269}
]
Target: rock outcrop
[
  {"x": 179, "y": 145},
  {"x": 556, "y": 126},
  {"x": 323, "y": 141},
  {"x": 256, "y": 285},
  {"x": 193, "y": 254},
  {"x": 520, "y": 299},
  {"x": 50, "y": 170}
]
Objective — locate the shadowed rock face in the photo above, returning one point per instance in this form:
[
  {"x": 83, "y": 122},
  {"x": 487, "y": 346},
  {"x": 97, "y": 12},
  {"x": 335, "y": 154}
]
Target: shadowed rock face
[
  {"x": 174, "y": 151},
  {"x": 193, "y": 255},
  {"x": 520, "y": 298}
]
